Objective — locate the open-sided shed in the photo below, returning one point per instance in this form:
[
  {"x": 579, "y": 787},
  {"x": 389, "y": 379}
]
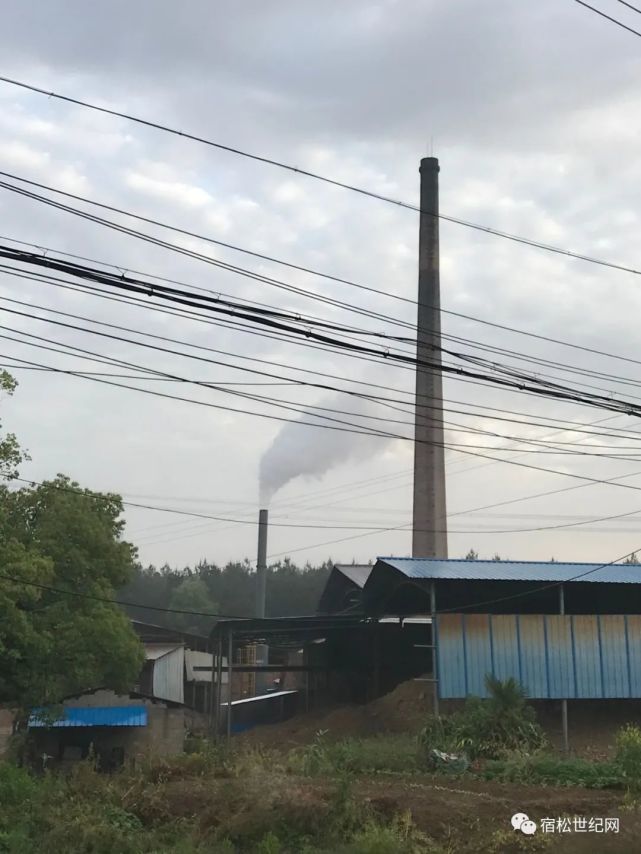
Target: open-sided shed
[
  {"x": 344, "y": 588},
  {"x": 565, "y": 631}
]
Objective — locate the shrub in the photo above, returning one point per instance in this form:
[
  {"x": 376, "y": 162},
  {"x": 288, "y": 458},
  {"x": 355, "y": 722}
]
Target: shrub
[
  {"x": 628, "y": 754},
  {"x": 490, "y": 728},
  {"x": 398, "y": 835},
  {"x": 17, "y": 786}
]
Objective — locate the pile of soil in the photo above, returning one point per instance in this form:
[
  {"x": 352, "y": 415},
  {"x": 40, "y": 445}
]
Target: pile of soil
[{"x": 402, "y": 710}]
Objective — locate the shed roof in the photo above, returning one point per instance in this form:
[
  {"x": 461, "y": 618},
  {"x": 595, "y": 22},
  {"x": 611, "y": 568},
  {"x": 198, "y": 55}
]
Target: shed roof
[
  {"x": 513, "y": 570},
  {"x": 357, "y": 573},
  {"x": 260, "y": 698},
  {"x": 84, "y": 716}
]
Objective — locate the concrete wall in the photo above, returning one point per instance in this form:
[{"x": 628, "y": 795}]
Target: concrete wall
[{"x": 164, "y": 734}]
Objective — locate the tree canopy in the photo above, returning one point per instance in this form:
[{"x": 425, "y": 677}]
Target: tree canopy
[
  {"x": 58, "y": 537},
  {"x": 291, "y": 590}
]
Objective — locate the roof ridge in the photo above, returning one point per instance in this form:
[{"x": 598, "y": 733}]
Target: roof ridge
[{"x": 489, "y": 560}]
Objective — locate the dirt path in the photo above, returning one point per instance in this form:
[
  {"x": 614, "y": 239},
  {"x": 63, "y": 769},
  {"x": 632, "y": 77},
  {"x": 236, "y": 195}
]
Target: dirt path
[{"x": 474, "y": 815}]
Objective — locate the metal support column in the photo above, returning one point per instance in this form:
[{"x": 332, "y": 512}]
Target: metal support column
[
  {"x": 434, "y": 649},
  {"x": 230, "y": 658},
  {"x": 376, "y": 686},
  {"x": 219, "y": 685},
  {"x": 564, "y": 702}
]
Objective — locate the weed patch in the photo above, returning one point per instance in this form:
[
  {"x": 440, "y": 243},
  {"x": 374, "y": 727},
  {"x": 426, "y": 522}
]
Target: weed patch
[
  {"x": 385, "y": 753},
  {"x": 488, "y": 729}
]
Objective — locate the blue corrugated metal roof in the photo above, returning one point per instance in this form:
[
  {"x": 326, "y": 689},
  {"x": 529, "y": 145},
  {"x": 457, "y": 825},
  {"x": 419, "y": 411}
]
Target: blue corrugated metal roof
[
  {"x": 82, "y": 716},
  {"x": 512, "y": 570}
]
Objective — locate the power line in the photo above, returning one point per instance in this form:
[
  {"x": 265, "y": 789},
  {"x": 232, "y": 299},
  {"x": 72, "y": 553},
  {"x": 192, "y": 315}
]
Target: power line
[
  {"x": 212, "y": 321},
  {"x": 504, "y": 503},
  {"x": 134, "y": 377},
  {"x": 138, "y": 303},
  {"x": 339, "y": 527},
  {"x": 372, "y": 398},
  {"x": 630, "y": 6},
  {"x": 348, "y": 429},
  {"x": 206, "y": 239},
  {"x": 609, "y": 17},
  {"x": 199, "y": 256},
  {"x": 310, "y": 294},
  {"x": 360, "y": 429},
  {"x": 331, "y": 181},
  {"x": 316, "y": 321},
  {"x": 120, "y": 602},
  {"x": 284, "y": 404},
  {"x": 173, "y": 295}
]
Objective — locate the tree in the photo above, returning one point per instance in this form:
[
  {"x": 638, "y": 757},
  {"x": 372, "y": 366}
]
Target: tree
[
  {"x": 11, "y": 455},
  {"x": 192, "y": 594},
  {"x": 472, "y": 555},
  {"x": 632, "y": 559},
  {"x": 58, "y": 537}
]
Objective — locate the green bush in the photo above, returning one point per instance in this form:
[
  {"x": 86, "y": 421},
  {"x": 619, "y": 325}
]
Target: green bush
[
  {"x": 489, "y": 729},
  {"x": 17, "y": 787},
  {"x": 628, "y": 754}
]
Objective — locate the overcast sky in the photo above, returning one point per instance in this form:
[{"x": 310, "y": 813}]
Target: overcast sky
[{"x": 534, "y": 110}]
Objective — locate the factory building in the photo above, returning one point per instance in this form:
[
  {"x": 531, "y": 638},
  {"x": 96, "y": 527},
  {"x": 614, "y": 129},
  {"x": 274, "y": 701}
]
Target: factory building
[{"x": 568, "y": 632}]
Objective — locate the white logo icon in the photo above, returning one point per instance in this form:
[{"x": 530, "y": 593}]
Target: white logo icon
[{"x": 520, "y": 821}]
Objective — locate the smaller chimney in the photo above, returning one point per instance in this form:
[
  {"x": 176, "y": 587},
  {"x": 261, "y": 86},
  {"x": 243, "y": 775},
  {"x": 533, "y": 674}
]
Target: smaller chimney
[{"x": 261, "y": 564}]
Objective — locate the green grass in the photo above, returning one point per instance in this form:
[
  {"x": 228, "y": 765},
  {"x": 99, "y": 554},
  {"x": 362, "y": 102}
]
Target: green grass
[
  {"x": 384, "y": 753},
  {"x": 623, "y": 772},
  {"x": 549, "y": 770},
  {"x": 224, "y": 801},
  {"x": 220, "y": 803}
]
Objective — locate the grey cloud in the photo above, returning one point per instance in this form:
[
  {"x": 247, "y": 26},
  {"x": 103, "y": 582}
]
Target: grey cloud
[{"x": 533, "y": 109}]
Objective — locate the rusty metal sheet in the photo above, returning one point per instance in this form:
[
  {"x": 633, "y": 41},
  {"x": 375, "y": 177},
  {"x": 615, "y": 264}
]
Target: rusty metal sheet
[
  {"x": 587, "y": 655},
  {"x": 633, "y": 625},
  {"x": 615, "y": 663},
  {"x": 558, "y": 649},
  {"x": 452, "y": 670},
  {"x": 552, "y": 656},
  {"x": 478, "y": 652},
  {"x": 505, "y": 646},
  {"x": 533, "y": 657}
]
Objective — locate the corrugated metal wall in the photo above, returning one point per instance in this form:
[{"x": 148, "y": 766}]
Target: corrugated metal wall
[
  {"x": 552, "y": 656},
  {"x": 169, "y": 676}
]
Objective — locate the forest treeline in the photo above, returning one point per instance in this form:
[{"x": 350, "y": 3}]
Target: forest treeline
[{"x": 291, "y": 591}]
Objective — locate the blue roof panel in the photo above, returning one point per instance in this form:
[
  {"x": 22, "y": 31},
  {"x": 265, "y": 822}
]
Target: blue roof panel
[
  {"x": 83, "y": 716},
  {"x": 513, "y": 570}
]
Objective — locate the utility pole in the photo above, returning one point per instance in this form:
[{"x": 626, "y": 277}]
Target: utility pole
[{"x": 429, "y": 537}]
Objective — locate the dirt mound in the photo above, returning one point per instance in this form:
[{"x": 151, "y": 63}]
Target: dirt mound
[{"x": 402, "y": 710}]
